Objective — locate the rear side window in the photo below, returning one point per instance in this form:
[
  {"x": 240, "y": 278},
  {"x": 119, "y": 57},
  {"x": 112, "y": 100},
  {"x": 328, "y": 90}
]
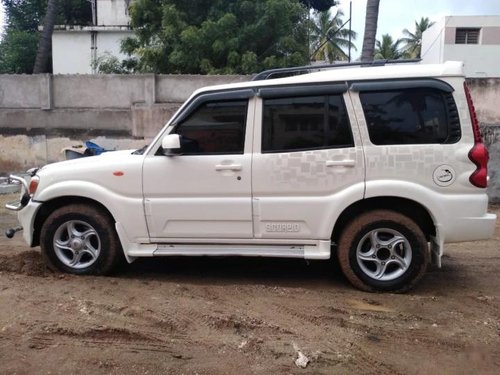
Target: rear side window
[
  {"x": 411, "y": 116},
  {"x": 305, "y": 123}
]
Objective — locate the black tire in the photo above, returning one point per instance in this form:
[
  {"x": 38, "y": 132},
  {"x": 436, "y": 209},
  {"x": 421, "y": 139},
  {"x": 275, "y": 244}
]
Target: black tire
[
  {"x": 93, "y": 241},
  {"x": 368, "y": 258}
]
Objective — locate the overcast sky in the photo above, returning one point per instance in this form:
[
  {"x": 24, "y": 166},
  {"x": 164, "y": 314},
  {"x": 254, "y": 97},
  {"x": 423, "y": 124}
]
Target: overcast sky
[
  {"x": 395, "y": 15},
  {"x": 2, "y": 16}
]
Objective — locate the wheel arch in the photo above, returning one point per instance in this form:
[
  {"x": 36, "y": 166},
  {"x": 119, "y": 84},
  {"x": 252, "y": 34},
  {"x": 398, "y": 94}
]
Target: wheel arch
[
  {"x": 50, "y": 206},
  {"x": 407, "y": 207}
]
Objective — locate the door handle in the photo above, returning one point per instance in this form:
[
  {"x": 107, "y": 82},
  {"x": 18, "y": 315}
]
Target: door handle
[
  {"x": 341, "y": 163},
  {"x": 228, "y": 167}
]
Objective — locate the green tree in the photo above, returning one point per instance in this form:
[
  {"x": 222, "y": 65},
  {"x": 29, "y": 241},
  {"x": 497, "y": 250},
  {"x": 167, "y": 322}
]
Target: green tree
[
  {"x": 413, "y": 40},
  {"x": 17, "y": 51},
  {"x": 319, "y": 5},
  {"x": 109, "y": 64},
  {"x": 19, "y": 43},
  {"x": 371, "y": 21},
  {"x": 225, "y": 36},
  {"x": 328, "y": 39},
  {"x": 27, "y": 15},
  {"x": 388, "y": 49}
]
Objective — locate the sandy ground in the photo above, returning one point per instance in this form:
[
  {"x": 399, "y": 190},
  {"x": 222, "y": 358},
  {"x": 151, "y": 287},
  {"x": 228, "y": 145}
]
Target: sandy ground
[{"x": 246, "y": 316}]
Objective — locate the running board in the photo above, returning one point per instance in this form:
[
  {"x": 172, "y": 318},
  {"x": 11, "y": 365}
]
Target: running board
[
  {"x": 318, "y": 250},
  {"x": 308, "y": 249},
  {"x": 280, "y": 251}
]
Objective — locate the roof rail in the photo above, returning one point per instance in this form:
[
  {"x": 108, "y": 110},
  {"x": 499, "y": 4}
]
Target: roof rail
[{"x": 298, "y": 70}]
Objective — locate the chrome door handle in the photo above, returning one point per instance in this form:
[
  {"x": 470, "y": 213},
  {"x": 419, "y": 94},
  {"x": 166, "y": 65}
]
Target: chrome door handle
[
  {"x": 228, "y": 167},
  {"x": 340, "y": 163}
]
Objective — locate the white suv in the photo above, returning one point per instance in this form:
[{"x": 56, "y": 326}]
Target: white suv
[{"x": 378, "y": 166}]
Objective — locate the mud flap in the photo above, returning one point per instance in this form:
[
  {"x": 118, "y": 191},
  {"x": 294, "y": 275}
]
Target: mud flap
[{"x": 436, "y": 250}]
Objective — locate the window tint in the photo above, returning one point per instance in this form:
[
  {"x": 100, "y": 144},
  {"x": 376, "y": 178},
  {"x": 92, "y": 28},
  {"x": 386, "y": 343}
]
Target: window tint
[
  {"x": 214, "y": 128},
  {"x": 303, "y": 123},
  {"x": 411, "y": 116}
]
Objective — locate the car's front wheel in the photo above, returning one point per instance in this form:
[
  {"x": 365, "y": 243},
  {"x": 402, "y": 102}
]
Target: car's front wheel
[
  {"x": 383, "y": 250},
  {"x": 80, "y": 239}
]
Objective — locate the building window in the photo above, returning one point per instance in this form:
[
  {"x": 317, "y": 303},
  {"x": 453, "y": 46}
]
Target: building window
[{"x": 467, "y": 36}]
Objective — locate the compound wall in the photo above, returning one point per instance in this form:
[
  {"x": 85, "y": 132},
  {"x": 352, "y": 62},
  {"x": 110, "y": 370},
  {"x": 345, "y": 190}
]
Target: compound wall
[{"x": 41, "y": 114}]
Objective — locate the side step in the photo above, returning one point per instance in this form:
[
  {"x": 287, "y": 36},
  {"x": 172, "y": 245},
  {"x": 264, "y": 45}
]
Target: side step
[
  {"x": 308, "y": 249},
  {"x": 279, "y": 251}
]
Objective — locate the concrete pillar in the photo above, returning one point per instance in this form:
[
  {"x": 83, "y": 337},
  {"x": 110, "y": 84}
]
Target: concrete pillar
[
  {"x": 45, "y": 82},
  {"x": 150, "y": 89}
]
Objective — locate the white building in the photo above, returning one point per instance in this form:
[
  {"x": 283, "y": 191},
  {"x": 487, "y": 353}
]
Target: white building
[
  {"x": 75, "y": 47},
  {"x": 475, "y": 40}
]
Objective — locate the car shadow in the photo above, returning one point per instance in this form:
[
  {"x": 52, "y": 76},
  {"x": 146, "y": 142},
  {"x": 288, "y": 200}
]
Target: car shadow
[{"x": 235, "y": 270}]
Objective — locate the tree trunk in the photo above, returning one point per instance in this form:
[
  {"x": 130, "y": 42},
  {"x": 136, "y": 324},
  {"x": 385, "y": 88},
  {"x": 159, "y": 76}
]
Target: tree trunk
[
  {"x": 326, "y": 57},
  {"x": 45, "y": 44},
  {"x": 370, "y": 30}
]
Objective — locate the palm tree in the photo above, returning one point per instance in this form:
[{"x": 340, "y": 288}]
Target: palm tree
[
  {"x": 328, "y": 38},
  {"x": 388, "y": 49},
  {"x": 414, "y": 40},
  {"x": 45, "y": 43},
  {"x": 371, "y": 20}
]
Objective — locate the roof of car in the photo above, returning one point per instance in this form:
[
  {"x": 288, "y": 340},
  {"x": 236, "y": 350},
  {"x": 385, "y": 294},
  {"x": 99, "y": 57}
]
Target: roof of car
[{"x": 357, "y": 73}]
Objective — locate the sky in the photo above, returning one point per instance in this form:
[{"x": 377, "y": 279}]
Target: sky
[
  {"x": 396, "y": 15},
  {"x": 2, "y": 17}
]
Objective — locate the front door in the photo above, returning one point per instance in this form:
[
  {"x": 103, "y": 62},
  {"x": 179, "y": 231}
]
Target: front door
[{"x": 206, "y": 191}]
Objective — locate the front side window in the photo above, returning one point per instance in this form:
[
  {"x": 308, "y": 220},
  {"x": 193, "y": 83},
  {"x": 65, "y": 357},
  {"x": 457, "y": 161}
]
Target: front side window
[
  {"x": 305, "y": 123},
  {"x": 214, "y": 128},
  {"x": 410, "y": 116}
]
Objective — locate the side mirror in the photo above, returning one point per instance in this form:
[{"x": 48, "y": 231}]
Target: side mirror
[{"x": 171, "y": 145}]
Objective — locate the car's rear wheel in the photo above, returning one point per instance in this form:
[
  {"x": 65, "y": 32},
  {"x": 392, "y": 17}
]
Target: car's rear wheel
[
  {"x": 80, "y": 239},
  {"x": 383, "y": 250}
]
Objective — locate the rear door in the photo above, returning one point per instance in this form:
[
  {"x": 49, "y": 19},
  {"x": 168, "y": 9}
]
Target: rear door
[{"x": 308, "y": 161}]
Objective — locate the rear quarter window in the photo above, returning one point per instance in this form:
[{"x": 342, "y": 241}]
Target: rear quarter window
[{"x": 411, "y": 116}]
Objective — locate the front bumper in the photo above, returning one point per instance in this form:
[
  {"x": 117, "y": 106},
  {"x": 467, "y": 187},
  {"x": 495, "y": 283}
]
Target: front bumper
[
  {"x": 26, "y": 218},
  {"x": 26, "y": 210},
  {"x": 24, "y": 198}
]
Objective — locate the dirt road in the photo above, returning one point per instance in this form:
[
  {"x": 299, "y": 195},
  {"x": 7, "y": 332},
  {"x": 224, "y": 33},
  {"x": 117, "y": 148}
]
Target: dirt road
[{"x": 246, "y": 316}]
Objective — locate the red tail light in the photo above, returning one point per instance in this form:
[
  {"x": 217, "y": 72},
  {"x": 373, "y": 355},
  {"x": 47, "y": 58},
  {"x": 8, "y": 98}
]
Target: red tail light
[{"x": 479, "y": 153}]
